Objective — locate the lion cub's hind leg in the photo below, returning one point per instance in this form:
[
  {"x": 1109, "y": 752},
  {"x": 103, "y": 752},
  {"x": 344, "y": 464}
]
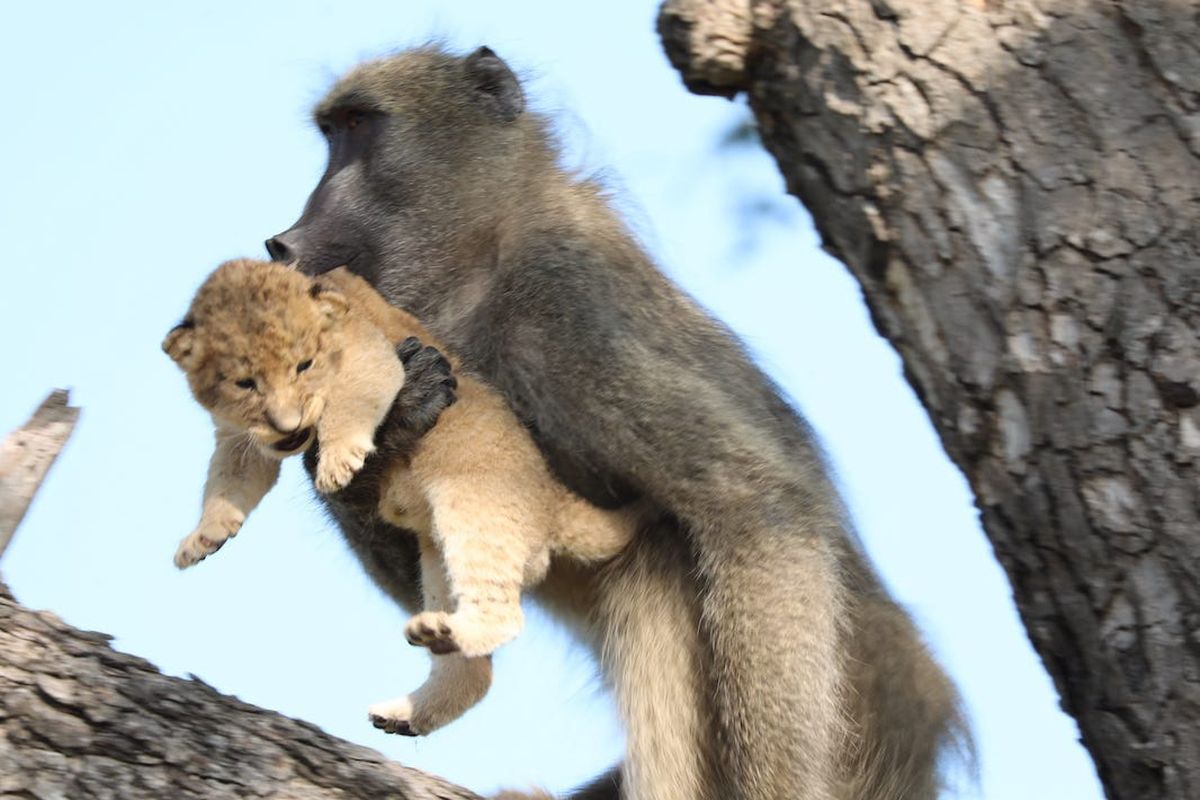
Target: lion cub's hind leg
[
  {"x": 486, "y": 533},
  {"x": 455, "y": 682}
]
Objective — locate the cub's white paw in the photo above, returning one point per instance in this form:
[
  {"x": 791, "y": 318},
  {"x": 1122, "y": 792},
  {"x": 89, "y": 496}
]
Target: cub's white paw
[
  {"x": 394, "y": 716},
  {"x": 431, "y": 629},
  {"x": 338, "y": 464},
  {"x": 470, "y": 634},
  {"x": 205, "y": 540}
]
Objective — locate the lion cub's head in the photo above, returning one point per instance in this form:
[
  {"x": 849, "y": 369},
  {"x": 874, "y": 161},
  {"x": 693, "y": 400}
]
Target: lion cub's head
[{"x": 260, "y": 346}]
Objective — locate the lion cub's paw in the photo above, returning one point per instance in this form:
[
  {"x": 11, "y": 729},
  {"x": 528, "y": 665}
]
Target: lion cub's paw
[
  {"x": 338, "y": 464},
  {"x": 449, "y": 633},
  {"x": 431, "y": 629},
  {"x": 205, "y": 540},
  {"x": 394, "y": 716}
]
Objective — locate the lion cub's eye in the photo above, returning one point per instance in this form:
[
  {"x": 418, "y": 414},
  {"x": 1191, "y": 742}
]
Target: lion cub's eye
[
  {"x": 246, "y": 383},
  {"x": 303, "y": 365}
]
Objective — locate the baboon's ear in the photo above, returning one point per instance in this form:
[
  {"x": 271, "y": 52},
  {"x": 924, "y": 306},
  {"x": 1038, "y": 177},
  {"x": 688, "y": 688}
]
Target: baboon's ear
[
  {"x": 332, "y": 303},
  {"x": 180, "y": 343},
  {"x": 495, "y": 85}
]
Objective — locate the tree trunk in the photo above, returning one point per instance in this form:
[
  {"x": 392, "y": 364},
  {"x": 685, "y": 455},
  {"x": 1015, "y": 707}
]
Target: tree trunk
[
  {"x": 1016, "y": 186},
  {"x": 78, "y": 719}
]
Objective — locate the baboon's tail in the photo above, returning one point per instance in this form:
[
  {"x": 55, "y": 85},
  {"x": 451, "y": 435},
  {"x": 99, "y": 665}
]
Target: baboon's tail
[{"x": 907, "y": 714}]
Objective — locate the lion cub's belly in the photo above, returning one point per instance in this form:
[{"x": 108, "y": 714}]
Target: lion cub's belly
[{"x": 403, "y": 502}]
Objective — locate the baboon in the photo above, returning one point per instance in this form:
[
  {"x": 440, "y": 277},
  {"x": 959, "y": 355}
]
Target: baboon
[{"x": 753, "y": 652}]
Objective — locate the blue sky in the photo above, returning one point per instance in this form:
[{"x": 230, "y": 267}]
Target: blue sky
[{"x": 145, "y": 142}]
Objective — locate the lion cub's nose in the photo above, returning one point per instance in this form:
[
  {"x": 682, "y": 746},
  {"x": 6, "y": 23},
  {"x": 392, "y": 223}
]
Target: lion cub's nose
[{"x": 284, "y": 421}]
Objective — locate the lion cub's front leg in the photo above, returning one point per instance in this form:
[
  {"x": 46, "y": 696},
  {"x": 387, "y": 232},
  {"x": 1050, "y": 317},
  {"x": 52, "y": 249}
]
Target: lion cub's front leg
[
  {"x": 340, "y": 461},
  {"x": 368, "y": 381},
  {"x": 238, "y": 478},
  {"x": 219, "y": 522}
]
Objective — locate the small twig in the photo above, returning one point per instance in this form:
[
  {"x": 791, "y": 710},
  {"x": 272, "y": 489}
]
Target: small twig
[{"x": 26, "y": 456}]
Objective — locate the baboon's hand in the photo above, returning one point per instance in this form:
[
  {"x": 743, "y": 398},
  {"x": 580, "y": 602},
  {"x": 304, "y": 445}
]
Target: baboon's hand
[
  {"x": 428, "y": 390},
  {"x": 429, "y": 385}
]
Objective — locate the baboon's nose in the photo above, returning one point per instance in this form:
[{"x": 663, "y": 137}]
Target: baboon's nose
[{"x": 280, "y": 250}]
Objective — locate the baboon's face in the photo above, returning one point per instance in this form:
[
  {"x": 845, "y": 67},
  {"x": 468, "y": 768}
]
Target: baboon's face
[
  {"x": 416, "y": 146},
  {"x": 340, "y": 220}
]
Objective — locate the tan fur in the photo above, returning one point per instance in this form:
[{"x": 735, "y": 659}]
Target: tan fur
[
  {"x": 248, "y": 323},
  {"x": 486, "y": 510}
]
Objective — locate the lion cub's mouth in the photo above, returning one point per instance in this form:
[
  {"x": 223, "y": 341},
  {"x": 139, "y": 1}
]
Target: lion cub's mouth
[{"x": 293, "y": 442}]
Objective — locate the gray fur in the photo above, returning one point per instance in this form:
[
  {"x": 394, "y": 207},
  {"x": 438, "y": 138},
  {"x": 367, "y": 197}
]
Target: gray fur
[{"x": 753, "y": 652}]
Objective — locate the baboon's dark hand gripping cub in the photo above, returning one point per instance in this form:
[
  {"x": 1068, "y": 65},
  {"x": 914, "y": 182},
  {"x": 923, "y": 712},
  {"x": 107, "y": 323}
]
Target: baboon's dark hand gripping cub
[{"x": 753, "y": 652}]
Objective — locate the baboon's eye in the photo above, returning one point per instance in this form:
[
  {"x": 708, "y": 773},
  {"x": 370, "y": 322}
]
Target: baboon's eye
[
  {"x": 303, "y": 365},
  {"x": 353, "y": 119},
  {"x": 246, "y": 383},
  {"x": 325, "y": 129}
]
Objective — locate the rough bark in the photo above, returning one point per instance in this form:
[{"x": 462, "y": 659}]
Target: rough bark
[
  {"x": 1016, "y": 186},
  {"x": 26, "y": 456},
  {"x": 78, "y": 719}
]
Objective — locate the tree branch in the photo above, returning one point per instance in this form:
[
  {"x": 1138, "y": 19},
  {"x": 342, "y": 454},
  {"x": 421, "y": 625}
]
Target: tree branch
[
  {"x": 78, "y": 719},
  {"x": 26, "y": 456}
]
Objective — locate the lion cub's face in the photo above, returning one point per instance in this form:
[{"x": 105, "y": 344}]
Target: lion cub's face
[{"x": 260, "y": 346}]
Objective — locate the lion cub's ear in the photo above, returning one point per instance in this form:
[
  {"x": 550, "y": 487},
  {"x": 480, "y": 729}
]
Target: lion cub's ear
[
  {"x": 332, "y": 303},
  {"x": 181, "y": 344}
]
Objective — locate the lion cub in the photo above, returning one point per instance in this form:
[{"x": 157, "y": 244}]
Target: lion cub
[{"x": 283, "y": 361}]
